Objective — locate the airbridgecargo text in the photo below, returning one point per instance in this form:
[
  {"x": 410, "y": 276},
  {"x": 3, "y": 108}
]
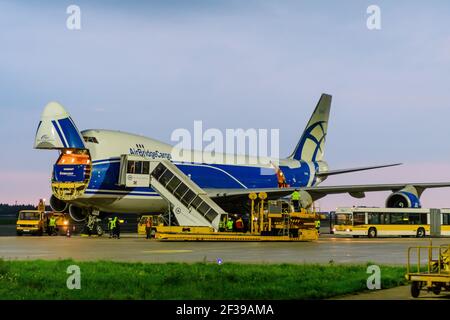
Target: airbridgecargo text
[{"x": 150, "y": 154}]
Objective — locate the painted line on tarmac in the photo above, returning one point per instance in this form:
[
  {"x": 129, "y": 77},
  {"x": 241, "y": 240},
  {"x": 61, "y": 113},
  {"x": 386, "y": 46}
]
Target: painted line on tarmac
[
  {"x": 351, "y": 241},
  {"x": 167, "y": 251}
]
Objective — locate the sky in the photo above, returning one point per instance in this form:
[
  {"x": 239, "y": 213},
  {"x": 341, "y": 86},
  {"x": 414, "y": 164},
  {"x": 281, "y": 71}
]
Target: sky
[{"x": 152, "y": 67}]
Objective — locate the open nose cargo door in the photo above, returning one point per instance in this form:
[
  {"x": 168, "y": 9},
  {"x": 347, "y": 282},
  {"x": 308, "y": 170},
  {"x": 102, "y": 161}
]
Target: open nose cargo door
[{"x": 72, "y": 171}]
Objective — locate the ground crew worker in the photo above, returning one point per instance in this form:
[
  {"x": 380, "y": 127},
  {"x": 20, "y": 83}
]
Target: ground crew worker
[
  {"x": 117, "y": 227},
  {"x": 318, "y": 226},
  {"x": 114, "y": 224},
  {"x": 239, "y": 225},
  {"x": 222, "y": 225},
  {"x": 230, "y": 225},
  {"x": 148, "y": 228},
  {"x": 295, "y": 197},
  {"x": 111, "y": 224},
  {"x": 51, "y": 225},
  {"x": 41, "y": 205}
]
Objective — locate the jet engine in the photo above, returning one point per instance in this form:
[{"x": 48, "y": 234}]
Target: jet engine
[
  {"x": 58, "y": 205},
  {"x": 78, "y": 214},
  {"x": 305, "y": 199},
  {"x": 408, "y": 197}
]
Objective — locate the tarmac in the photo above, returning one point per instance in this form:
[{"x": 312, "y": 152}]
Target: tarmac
[
  {"x": 328, "y": 249},
  {"x": 134, "y": 248}
]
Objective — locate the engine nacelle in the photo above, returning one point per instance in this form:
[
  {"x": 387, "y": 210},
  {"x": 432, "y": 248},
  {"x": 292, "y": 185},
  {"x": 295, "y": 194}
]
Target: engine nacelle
[
  {"x": 405, "y": 198},
  {"x": 78, "y": 214},
  {"x": 58, "y": 205},
  {"x": 305, "y": 199}
]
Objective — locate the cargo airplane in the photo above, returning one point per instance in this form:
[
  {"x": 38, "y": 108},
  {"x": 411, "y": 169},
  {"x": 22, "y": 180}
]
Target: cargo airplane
[{"x": 87, "y": 177}]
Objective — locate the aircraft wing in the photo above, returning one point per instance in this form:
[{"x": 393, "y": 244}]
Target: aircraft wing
[
  {"x": 357, "y": 191},
  {"x": 340, "y": 171}
]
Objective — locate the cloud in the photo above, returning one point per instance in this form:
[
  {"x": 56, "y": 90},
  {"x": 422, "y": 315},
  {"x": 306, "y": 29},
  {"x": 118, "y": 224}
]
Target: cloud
[
  {"x": 24, "y": 186},
  {"x": 152, "y": 68},
  {"x": 408, "y": 173}
]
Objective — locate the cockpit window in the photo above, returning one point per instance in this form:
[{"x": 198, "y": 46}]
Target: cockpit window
[{"x": 90, "y": 139}]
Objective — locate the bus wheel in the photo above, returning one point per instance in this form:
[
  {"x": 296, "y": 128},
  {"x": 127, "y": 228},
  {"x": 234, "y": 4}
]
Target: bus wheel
[
  {"x": 19, "y": 233},
  {"x": 420, "y": 233},
  {"x": 372, "y": 233},
  {"x": 415, "y": 289}
]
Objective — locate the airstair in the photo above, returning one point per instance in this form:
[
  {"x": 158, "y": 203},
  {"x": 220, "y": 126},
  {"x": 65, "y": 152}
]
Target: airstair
[{"x": 190, "y": 203}]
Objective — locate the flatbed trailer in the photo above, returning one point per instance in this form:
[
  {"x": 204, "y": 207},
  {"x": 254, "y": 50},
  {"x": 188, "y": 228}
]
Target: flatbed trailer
[
  {"x": 435, "y": 275},
  {"x": 208, "y": 234}
]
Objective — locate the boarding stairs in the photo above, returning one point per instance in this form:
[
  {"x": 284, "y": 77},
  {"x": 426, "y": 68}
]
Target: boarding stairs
[{"x": 189, "y": 203}]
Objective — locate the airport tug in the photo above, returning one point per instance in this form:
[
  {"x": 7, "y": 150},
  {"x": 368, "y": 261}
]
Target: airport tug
[
  {"x": 272, "y": 220},
  {"x": 435, "y": 275},
  {"x": 35, "y": 222}
]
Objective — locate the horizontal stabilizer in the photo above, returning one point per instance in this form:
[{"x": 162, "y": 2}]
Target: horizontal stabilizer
[{"x": 340, "y": 171}]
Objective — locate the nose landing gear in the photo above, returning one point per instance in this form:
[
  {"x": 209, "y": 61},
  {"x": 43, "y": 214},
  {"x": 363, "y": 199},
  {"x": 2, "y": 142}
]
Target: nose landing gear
[{"x": 92, "y": 226}]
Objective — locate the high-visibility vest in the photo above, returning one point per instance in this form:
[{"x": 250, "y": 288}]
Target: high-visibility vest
[
  {"x": 113, "y": 222},
  {"x": 295, "y": 195},
  {"x": 52, "y": 222},
  {"x": 317, "y": 223},
  {"x": 221, "y": 224},
  {"x": 230, "y": 225}
]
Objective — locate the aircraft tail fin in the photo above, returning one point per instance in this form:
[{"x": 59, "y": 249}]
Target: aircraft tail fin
[{"x": 311, "y": 145}]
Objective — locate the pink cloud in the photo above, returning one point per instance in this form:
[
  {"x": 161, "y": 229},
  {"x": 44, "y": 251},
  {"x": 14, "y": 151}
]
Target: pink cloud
[
  {"x": 408, "y": 173},
  {"x": 24, "y": 187}
]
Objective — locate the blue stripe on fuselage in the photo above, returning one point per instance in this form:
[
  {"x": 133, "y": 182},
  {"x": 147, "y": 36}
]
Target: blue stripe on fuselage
[
  {"x": 115, "y": 193},
  {"x": 105, "y": 175}
]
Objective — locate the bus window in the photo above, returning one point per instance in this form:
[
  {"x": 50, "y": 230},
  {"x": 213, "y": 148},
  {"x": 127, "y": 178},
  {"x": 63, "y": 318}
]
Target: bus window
[
  {"x": 398, "y": 218},
  {"x": 446, "y": 219},
  {"x": 414, "y": 218},
  {"x": 374, "y": 218},
  {"x": 384, "y": 218},
  {"x": 343, "y": 219},
  {"x": 423, "y": 218},
  {"x": 359, "y": 218}
]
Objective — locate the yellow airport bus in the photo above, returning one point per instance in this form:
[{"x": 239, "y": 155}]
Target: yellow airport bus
[{"x": 378, "y": 222}]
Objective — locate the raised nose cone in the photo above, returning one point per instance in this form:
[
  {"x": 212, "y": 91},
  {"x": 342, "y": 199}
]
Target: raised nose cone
[
  {"x": 54, "y": 110},
  {"x": 56, "y": 130}
]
